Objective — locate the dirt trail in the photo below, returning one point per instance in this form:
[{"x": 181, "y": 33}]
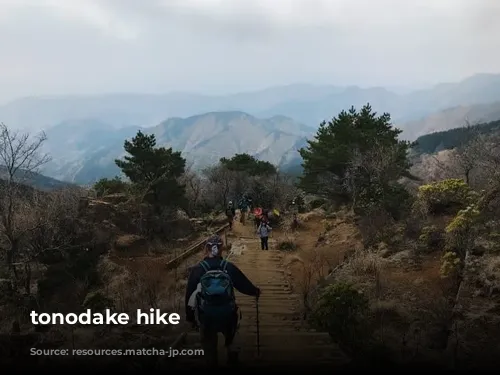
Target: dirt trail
[{"x": 282, "y": 337}]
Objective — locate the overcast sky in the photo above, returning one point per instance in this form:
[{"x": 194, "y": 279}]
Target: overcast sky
[{"x": 97, "y": 46}]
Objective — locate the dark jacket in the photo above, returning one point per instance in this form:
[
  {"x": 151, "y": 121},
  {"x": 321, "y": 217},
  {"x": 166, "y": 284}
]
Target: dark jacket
[{"x": 240, "y": 281}]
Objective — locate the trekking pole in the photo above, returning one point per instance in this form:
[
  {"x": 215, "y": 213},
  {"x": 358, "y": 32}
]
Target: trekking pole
[{"x": 258, "y": 328}]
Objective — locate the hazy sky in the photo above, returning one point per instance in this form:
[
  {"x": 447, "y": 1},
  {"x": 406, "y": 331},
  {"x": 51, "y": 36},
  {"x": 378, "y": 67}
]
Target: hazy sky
[{"x": 95, "y": 46}]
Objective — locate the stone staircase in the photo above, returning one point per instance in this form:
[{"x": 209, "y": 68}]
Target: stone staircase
[{"x": 284, "y": 341}]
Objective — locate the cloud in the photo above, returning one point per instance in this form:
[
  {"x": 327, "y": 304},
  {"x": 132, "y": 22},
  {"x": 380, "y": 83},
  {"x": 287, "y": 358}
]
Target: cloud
[
  {"x": 85, "y": 46},
  {"x": 90, "y": 13}
]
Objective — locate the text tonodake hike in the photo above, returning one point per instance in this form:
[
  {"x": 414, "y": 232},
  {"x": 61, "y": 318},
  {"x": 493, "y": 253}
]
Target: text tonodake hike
[{"x": 155, "y": 316}]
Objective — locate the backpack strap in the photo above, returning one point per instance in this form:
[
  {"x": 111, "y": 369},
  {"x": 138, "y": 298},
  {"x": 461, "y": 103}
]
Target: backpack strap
[
  {"x": 205, "y": 265},
  {"x": 223, "y": 265}
]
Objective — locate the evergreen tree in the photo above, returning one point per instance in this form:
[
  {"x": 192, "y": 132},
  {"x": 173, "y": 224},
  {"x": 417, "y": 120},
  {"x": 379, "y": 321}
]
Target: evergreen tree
[
  {"x": 356, "y": 157},
  {"x": 154, "y": 169}
]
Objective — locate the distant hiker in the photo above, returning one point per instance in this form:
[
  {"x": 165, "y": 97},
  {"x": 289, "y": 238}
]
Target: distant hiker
[
  {"x": 265, "y": 215},
  {"x": 295, "y": 221},
  {"x": 230, "y": 214},
  {"x": 257, "y": 220},
  {"x": 210, "y": 300},
  {"x": 249, "y": 203},
  {"x": 257, "y": 215},
  {"x": 243, "y": 206},
  {"x": 263, "y": 231}
]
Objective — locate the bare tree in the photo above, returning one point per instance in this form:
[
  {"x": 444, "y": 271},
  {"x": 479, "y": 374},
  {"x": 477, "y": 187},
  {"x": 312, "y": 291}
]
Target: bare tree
[
  {"x": 379, "y": 165},
  {"x": 20, "y": 158},
  {"x": 222, "y": 183},
  {"x": 194, "y": 188},
  {"x": 52, "y": 219},
  {"x": 478, "y": 159},
  {"x": 276, "y": 190},
  {"x": 467, "y": 155}
]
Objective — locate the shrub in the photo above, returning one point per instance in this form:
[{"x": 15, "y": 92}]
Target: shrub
[
  {"x": 340, "y": 311},
  {"x": 287, "y": 245},
  {"x": 317, "y": 203},
  {"x": 461, "y": 231},
  {"x": 450, "y": 264},
  {"x": 431, "y": 238},
  {"x": 446, "y": 196},
  {"x": 106, "y": 186}
]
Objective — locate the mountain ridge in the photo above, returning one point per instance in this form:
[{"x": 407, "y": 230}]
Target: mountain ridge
[
  {"x": 202, "y": 139},
  {"x": 306, "y": 103}
]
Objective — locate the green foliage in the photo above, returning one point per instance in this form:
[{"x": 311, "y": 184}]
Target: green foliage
[
  {"x": 450, "y": 264},
  {"x": 317, "y": 203},
  {"x": 356, "y": 157},
  {"x": 97, "y": 302},
  {"x": 462, "y": 230},
  {"x": 341, "y": 311},
  {"x": 464, "y": 220},
  {"x": 110, "y": 186},
  {"x": 154, "y": 169},
  {"x": 445, "y": 196},
  {"x": 287, "y": 245},
  {"x": 393, "y": 198},
  {"x": 449, "y": 139},
  {"x": 431, "y": 238},
  {"x": 249, "y": 164},
  {"x": 298, "y": 204}
]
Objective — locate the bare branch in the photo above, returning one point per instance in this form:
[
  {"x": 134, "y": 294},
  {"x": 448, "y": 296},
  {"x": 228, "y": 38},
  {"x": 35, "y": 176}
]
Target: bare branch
[{"x": 19, "y": 154}]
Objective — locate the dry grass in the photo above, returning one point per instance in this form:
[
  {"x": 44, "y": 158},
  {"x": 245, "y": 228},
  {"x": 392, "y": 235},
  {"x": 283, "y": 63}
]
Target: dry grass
[
  {"x": 287, "y": 243},
  {"x": 315, "y": 214},
  {"x": 366, "y": 263},
  {"x": 144, "y": 283},
  {"x": 308, "y": 269}
]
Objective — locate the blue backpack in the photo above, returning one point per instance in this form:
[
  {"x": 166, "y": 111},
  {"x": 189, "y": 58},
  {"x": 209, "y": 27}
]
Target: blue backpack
[{"x": 216, "y": 300}]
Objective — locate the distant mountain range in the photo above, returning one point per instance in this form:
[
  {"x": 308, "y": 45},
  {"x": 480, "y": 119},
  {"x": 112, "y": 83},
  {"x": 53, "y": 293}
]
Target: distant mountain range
[
  {"x": 36, "y": 180},
  {"x": 307, "y": 104},
  {"x": 84, "y": 151},
  {"x": 452, "y": 118},
  {"x": 86, "y": 133}
]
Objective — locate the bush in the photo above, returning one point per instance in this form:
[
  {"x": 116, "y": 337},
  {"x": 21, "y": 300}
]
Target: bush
[
  {"x": 446, "y": 196},
  {"x": 106, "y": 186},
  {"x": 341, "y": 311},
  {"x": 317, "y": 203},
  {"x": 450, "y": 264},
  {"x": 287, "y": 245},
  {"x": 431, "y": 238},
  {"x": 462, "y": 231}
]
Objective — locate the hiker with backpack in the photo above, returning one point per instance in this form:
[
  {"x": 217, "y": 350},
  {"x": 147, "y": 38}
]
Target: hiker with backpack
[
  {"x": 243, "y": 206},
  {"x": 210, "y": 299},
  {"x": 230, "y": 214},
  {"x": 263, "y": 231}
]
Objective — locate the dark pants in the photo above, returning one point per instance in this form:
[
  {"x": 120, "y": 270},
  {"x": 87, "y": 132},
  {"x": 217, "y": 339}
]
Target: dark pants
[
  {"x": 209, "y": 339},
  {"x": 230, "y": 220},
  {"x": 264, "y": 243}
]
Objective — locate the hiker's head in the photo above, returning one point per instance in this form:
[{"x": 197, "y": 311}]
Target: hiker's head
[
  {"x": 213, "y": 246},
  {"x": 230, "y": 203}
]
